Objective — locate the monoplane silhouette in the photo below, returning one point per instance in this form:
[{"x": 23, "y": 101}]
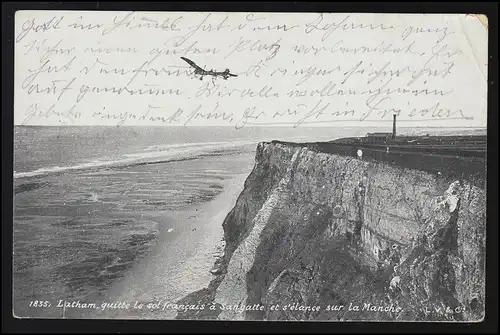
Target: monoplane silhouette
[{"x": 202, "y": 72}]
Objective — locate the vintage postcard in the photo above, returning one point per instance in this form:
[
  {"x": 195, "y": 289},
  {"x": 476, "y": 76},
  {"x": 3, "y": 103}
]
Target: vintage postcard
[{"x": 250, "y": 166}]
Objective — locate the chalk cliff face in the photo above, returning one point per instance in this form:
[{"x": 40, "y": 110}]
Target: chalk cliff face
[{"x": 316, "y": 229}]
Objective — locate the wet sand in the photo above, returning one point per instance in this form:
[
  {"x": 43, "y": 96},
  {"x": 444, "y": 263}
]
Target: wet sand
[{"x": 187, "y": 247}]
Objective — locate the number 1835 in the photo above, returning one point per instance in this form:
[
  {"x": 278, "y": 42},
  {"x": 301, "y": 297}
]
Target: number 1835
[{"x": 39, "y": 303}]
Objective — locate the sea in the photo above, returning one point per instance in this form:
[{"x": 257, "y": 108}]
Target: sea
[
  {"x": 78, "y": 192},
  {"x": 81, "y": 194}
]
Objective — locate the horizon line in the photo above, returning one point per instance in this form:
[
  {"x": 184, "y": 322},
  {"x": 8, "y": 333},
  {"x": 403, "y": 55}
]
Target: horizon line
[{"x": 251, "y": 126}]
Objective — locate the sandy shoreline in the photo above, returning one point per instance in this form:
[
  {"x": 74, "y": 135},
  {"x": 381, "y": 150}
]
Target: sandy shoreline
[{"x": 188, "y": 244}]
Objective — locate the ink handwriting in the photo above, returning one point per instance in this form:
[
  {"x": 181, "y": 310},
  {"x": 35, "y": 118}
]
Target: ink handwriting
[{"x": 294, "y": 69}]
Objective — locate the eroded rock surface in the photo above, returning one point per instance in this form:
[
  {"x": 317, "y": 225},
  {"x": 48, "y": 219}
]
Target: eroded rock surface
[{"x": 316, "y": 229}]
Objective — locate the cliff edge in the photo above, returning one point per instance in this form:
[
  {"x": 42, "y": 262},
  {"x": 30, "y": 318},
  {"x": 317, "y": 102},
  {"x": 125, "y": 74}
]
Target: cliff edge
[{"x": 321, "y": 236}]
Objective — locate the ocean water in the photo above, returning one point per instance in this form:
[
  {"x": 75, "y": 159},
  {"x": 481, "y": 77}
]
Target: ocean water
[{"x": 80, "y": 194}]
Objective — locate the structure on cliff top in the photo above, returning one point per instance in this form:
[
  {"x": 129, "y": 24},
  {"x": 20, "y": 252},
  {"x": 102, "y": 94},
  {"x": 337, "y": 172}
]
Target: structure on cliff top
[
  {"x": 377, "y": 137},
  {"x": 316, "y": 229}
]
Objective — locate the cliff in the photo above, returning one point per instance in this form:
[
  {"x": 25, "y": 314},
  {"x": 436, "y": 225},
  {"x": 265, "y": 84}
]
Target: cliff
[{"x": 315, "y": 234}]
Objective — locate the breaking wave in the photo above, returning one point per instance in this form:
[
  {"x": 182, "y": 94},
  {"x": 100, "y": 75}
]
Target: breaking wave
[{"x": 151, "y": 155}]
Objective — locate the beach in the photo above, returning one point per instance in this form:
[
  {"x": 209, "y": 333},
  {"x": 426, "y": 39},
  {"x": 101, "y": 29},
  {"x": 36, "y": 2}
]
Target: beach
[
  {"x": 110, "y": 215},
  {"x": 189, "y": 243},
  {"x": 106, "y": 218},
  {"x": 154, "y": 235}
]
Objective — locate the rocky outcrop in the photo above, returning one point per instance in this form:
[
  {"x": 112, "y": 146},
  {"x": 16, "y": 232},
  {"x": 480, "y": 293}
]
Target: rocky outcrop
[{"x": 315, "y": 235}]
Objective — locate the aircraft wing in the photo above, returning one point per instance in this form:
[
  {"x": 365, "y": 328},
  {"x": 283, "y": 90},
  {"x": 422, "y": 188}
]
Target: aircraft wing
[{"x": 190, "y": 62}]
